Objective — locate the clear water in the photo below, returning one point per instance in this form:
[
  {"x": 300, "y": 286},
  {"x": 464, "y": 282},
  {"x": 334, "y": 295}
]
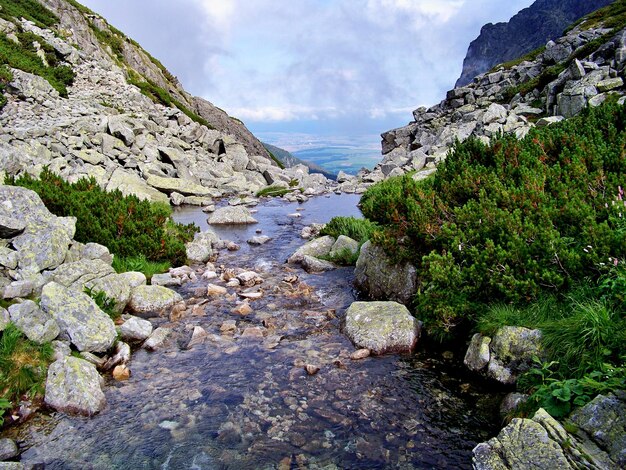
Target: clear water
[{"x": 235, "y": 402}]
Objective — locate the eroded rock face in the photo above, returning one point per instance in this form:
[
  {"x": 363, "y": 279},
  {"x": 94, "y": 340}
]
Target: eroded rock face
[
  {"x": 380, "y": 279},
  {"x": 89, "y": 328},
  {"x": 74, "y": 386},
  {"x": 381, "y": 327}
]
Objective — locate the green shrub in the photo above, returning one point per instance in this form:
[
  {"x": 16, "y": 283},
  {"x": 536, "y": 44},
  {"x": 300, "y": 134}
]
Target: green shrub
[
  {"x": 23, "y": 56},
  {"x": 30, "y": 9},
  {"x": 345, "y": 257},
  {"x": 126, "y": 225},
  {"x": 23, "y": 366},
  {"x": 273, "y": 191},
  {"x": 360, "y": 230},
  {"x": 510, "y": 221},
  {"x": 139, "y": 264}
]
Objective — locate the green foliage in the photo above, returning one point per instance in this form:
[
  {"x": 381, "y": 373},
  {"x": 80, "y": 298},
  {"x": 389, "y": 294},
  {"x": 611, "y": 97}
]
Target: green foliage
[
  {"x": 539, "y": 82},
  {"x": 345, "y": 257},
  {"x": 110, "y": 39},
  {"x": 360, "y": 230},
  {"x": 560, "y": 396},
  {"x": 126, "y": 225},
  {"x": 23, "y": 56},
  {"x": 139, "y": 264},
  {"x": 276, "y": 160},
  {"x": 30, "y": 9},
  {"x": 612, "y": 16},
  {"x": 4, "y": 406},
  {"x": 161, "y": 96},
  {"x": 23, "y": 366},
  {"x": 106, "y": 304},
  {"x": 510, "y": 221},
  {"x": 273, "y": 191},
  {"x": 80, "y": 7},
  {"x": 6, "y": 76}
]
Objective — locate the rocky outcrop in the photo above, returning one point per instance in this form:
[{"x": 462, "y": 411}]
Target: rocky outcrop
[
  {"x": 505, "y": 356},
  {"x": 381, "y": 279},
  {"x": 381, "y": 327},
  {"x": 74, "y": 386},
  {"x": 581, "y": 69},
  {"x": 543, "y": 442},
  {"x": 531, "y": 28}
]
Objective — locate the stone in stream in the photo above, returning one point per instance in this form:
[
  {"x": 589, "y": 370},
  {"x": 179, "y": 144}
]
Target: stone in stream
[
  {"x": 121, "y": 372},
  {"x": 314, "y": 265},
  {"x": 146, "y": 299},
  {"x": 231, "y": 215},
  {"x": 316, "y": 248},
  {"x": 74, "y": 386},
  {"x": 156, "y": 339},
  {"x": 382, "y": 327},
  {"x": 135, "y": 329},
  {"x": 259, "y": 240}
]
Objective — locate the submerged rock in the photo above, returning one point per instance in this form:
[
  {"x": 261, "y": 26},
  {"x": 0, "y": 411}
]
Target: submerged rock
[
  {"x": 381, "y": 327},
  {"x": 381, "y": 279},
  {"x": 75, "y": 387}
]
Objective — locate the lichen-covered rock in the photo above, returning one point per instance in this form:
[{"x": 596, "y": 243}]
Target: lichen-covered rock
[
  {"x": 95, "y": 251},
  {"x": 8, "y": 258},
  {"x": 146, "y": 299},
  {"x": 200, "y": 249},
  {"x": 604, "y": 421},
  {"x": 314, "y": 265},
  {"x": 231, "y": 215},
  {"x": 135, "y": 329},
  {"x": 344, "y": 243},
  {"x": 512, "y": 351},
  {"x": 10, "y": 227},
  {"x": 89, "y": 328},
  {"x": 382, "y": 279},
  {"x": 522, "y": 445},
  {"x": 134, "y": 279},
  {"x": 74, "y": 386},
  {"x": 37, "y": 325},
  {"x": 381, "y": 327},
  {"x": 478, "y": 354},
  {"x": 4, "y": 318},
  {"x": 19, "y": 289},
  {"x": 316, "y": 248},
  {"x": 165, "y": 280}
]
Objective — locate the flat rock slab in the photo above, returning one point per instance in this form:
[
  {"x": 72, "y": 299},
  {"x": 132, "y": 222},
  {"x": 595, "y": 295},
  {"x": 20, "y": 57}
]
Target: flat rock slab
[
  {"x": 231, "y": 215},
  {"x": 75, "y": 387},
  {"x": 89, "y": 328},
  {"x": 382, "y": 327}
]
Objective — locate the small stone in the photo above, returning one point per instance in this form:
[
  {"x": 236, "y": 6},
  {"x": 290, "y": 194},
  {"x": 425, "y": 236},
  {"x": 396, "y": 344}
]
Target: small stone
[
  {"x": 198, "y": 336},
  {"x": 135, "y": 329},
  {"x": 216, "y": 291},
  {"x": 249, "y": 278},
  {"x": 252, "y": 332},
  {"x": 232, "y": 246},
  {"x": 257, "y": 241},
  {"x": 18, "y": 289},
  {"x": 233, "y": 283},
  {"x": 243, "y": 309},
  {"x": 360, "y": 354},
  {"x": 156, "y": 339},
  {"x": 448, "y": 355},
  {"x": 311, "y": 369},
  {"x": 251, "y": 295},
  {"x": 229, "y": 326},
  {"x": 121, "y": 372}
]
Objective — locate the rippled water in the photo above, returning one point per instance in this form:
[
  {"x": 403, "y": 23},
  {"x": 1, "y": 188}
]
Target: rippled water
[{"x": 243, "y": 402}]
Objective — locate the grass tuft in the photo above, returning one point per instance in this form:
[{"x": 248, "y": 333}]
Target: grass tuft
[{"x": 139, "y": 264}]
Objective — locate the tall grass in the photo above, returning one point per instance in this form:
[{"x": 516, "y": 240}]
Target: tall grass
[{"x": 140, "y": 264}]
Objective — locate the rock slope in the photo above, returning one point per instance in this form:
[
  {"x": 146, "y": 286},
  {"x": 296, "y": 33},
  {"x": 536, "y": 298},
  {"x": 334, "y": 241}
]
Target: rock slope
[
  {"x": 531, "y": 28},
  {"x": 583, "y": 68},
  {"x": 126, "y": 121}
]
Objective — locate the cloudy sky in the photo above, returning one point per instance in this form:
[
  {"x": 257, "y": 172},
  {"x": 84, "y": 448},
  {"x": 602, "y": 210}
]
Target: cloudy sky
[{"x": 346, "y": 68}]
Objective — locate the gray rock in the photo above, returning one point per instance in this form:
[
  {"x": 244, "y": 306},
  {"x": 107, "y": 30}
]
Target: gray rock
[
  {"x": 184, "y": 187},
  {"x": 75, "y": 387},
  {"x": 89, "y": 328},
  {"x": 135, "y": 329},
  {"x": 5, "y": 319},
  {"x": 10, "y": 227},
  {"x": 165, "y": 280},
  {"x": 259, "y": 240},
  {"x": 146, "y": 299},
  {"x": 549, "y": 120},
  {"x": 131, "y": 184},
  {"x": 512, "y": 351},
  {"x": 134, "y": 279},
  {"x": 61, "y": 349},
  {"x": 381, "y": 327},
  {"x": 609, "y": 84},
  {"x": 19, "y": 289},
  {"x": 231, "y": 215},
  {"x": 604, "y": 421},
  {"x": 8, "y": 449},
  {"x": 93, "y": 251},
  {"x": 344, "y": 243},
  {"x": 200, "y": 250},
  {"x": 511, "y": 402},
  {"x": 315, "y": 248},
  {"x": 478, "y": 354},
  {"x": 8, "y": 258},
  {"x": 120, "y": 129},
  {"x": 156, "y": 339},
  {"x": 12, "y": 465},
  {"x": 313, "y": 265},
  {"x": 381, "y": 279},
  {"x": 37, "y": 325},
  {"x": 495, "y": 113}
]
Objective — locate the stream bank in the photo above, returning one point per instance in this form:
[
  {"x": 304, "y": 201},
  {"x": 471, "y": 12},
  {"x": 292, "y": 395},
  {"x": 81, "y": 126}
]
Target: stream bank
[{"x": 241, "y": 397}]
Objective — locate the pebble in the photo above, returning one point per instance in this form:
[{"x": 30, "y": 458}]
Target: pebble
[
  {"x": 311, "y": 369},
  {"x": 360, "y": 354},
  {"x": 243, "y": 309},
  {"x": 229, "y": 326},
  {"x": 215, "y": 290},
  {"x": 121, "y": 372}
]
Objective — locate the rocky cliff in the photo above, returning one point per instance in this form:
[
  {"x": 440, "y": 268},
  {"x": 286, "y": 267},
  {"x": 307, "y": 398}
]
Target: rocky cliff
[
  {"x": 123, "y": 118},
  {"x": 583, "y": 68},
  {"x": 531, "y": 28}
]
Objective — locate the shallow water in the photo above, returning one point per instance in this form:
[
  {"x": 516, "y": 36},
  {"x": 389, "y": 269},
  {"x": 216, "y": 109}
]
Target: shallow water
[{"x": 237, "y": 401}]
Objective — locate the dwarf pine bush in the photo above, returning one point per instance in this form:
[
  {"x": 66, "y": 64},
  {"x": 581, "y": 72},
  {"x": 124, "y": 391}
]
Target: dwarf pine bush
[
  {"x": 509, "y": 221},
  {"x": 128, "y": 226}
]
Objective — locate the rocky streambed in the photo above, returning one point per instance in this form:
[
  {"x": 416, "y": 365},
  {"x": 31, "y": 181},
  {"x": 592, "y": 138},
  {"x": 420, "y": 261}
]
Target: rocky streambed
[{"x": 269, "y": 382}]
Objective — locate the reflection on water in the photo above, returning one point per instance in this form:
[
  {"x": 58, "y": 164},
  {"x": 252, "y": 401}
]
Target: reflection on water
[{"x": 239, "y": 401}]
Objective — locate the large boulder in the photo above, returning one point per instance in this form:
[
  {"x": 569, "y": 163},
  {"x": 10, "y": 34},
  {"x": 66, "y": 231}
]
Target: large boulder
[
  {"x": 46, "y": 237},
  {"x": 381, "y": 279},
  {"x": 315, "y": 248},
  {"x": 37, "y": 325},
  {"x": 505, "y": 356},
  {"x": 382, "y": 327},
  {"x": 184, "y": 187},
  {"x": 89, "y": 328},
  {"x": 231, "y": 215},
  {"x": 75, "y": 387},
  {"x": 147, "y": 299},
  {"x": 132, "y": 184}
]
